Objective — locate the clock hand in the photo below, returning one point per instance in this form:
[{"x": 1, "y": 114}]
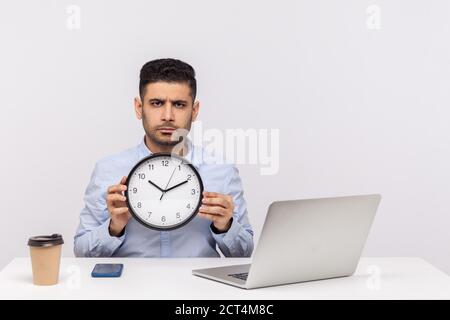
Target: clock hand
[
  {"x": 169, "y": 180},
  {"x": 156, "y": 186},
  {"x": 177, "y": 185}
]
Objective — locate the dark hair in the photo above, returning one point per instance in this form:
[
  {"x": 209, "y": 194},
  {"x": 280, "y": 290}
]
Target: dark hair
[{"x": 168, "y": 70}]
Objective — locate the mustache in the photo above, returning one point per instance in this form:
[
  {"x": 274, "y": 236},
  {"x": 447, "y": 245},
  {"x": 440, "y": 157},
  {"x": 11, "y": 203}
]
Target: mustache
[{"x": 166, "y": 126}]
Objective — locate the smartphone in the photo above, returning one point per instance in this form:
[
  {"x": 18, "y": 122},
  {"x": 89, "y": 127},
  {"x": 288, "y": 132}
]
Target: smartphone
[{"x": 107, "y": 270}]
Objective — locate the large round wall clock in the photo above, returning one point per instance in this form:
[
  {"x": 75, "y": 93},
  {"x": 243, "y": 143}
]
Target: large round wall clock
[{"x": 164, "y": 191}]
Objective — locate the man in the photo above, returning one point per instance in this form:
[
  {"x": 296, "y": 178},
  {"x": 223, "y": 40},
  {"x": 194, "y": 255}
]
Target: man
[{"x": 166, "y": 102}]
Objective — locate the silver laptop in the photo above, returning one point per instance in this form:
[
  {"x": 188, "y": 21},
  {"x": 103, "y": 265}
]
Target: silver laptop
[{"x": 304, "y": 240}]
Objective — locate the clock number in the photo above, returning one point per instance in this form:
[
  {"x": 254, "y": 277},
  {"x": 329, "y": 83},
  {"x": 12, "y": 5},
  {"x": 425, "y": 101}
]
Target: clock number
[
  {"x": 134, "y": 190},
  {"x": 141, "y": 175},
  {"x": 189, "y": 177},
  {"x": 165, "y": 163},
  {"x": 179, "y": 168},
  {"x": 178, "y": 215},
  {"x": 151, "y": 166},
  {"x": 188, "y": 206},
  {"x": 193, "y": 191},
  {"x": 149, "y": 214},
  {"x": 163, "y": 218},
  {"x": 139, "y": 205}
]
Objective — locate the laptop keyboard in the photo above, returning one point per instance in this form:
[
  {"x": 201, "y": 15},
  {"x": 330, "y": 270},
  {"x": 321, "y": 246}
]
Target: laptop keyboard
[{"x": 242, "y": 276}]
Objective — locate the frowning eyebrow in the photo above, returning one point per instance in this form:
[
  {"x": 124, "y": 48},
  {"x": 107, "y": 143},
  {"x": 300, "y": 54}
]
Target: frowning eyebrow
[{"x": 163, "y": 101}]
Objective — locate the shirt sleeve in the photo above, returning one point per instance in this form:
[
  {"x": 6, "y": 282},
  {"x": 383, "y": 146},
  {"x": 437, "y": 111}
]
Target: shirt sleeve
[
  {"x": 92, "y": 238},
  {"x": 238, "y": 240}
]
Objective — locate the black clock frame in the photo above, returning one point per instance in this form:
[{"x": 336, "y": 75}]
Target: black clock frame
[{"x": 145, "y": 223}]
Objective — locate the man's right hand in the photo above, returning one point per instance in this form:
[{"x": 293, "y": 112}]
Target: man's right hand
[{"x": 117, "y": 208}]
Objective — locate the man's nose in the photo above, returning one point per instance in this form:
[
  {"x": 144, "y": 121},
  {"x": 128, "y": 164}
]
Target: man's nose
[{"x": 168, "y": 113}]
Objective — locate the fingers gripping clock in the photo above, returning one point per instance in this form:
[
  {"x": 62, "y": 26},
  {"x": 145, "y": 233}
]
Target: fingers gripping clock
[{"x": 164, "y": 191}]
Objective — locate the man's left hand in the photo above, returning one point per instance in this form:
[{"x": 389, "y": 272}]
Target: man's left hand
[{"x": 218, "y": 208}]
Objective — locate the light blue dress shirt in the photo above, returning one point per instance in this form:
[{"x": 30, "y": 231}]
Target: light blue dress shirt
[{"x": 195, "y": 239}]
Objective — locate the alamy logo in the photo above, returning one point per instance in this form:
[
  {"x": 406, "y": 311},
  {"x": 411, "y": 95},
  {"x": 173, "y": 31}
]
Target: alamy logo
[
  {"x": 239, "y": 146},
  {"x": 373, "y": 21},
  {"x": 73, "y": 21}
]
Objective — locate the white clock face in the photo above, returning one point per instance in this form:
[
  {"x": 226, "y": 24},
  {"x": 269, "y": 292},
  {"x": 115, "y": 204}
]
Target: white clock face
[{"x": 164, "y": 191}]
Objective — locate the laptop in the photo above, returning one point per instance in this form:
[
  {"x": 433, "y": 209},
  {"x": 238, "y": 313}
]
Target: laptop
[{"x": 304, "y": 240}]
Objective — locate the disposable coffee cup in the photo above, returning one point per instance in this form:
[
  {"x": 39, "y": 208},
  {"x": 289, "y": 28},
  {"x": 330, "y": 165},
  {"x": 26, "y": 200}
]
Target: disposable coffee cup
[{"x": 45, "y": 252}]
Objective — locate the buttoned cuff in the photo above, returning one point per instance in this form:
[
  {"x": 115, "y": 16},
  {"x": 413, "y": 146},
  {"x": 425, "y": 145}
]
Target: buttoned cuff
[
  {"x": 107, "y": 242},
  {"x": 229, "y": 237}
]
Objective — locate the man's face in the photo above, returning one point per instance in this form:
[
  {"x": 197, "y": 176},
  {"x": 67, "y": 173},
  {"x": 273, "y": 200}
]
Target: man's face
[{"x": 165, "y": 107}]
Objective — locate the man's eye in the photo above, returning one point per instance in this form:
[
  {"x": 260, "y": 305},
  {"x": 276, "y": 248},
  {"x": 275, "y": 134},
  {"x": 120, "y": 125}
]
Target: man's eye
[
  {"x": 179, "y": 105},
  {"x": 156, "y": 103}
]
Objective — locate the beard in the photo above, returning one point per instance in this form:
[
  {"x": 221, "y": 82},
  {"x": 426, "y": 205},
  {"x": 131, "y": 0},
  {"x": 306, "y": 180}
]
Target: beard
[{"x": 162, "y": 139}]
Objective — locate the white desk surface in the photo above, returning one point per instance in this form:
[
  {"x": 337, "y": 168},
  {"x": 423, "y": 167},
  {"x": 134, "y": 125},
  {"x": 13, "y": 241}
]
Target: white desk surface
[{"x": 171, "y": 278}]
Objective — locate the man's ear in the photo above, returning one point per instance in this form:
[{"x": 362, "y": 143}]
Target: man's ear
[
  {"x": 195, "y": 110},
  {"x": 138, "y": 107}
]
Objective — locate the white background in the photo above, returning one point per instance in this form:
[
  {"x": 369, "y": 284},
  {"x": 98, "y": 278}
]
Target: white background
[{"x": 359, "y": 110}]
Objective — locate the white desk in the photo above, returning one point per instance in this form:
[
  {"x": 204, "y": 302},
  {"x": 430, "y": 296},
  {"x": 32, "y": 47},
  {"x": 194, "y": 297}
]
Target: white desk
[{"x": 375, "y": 278}]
